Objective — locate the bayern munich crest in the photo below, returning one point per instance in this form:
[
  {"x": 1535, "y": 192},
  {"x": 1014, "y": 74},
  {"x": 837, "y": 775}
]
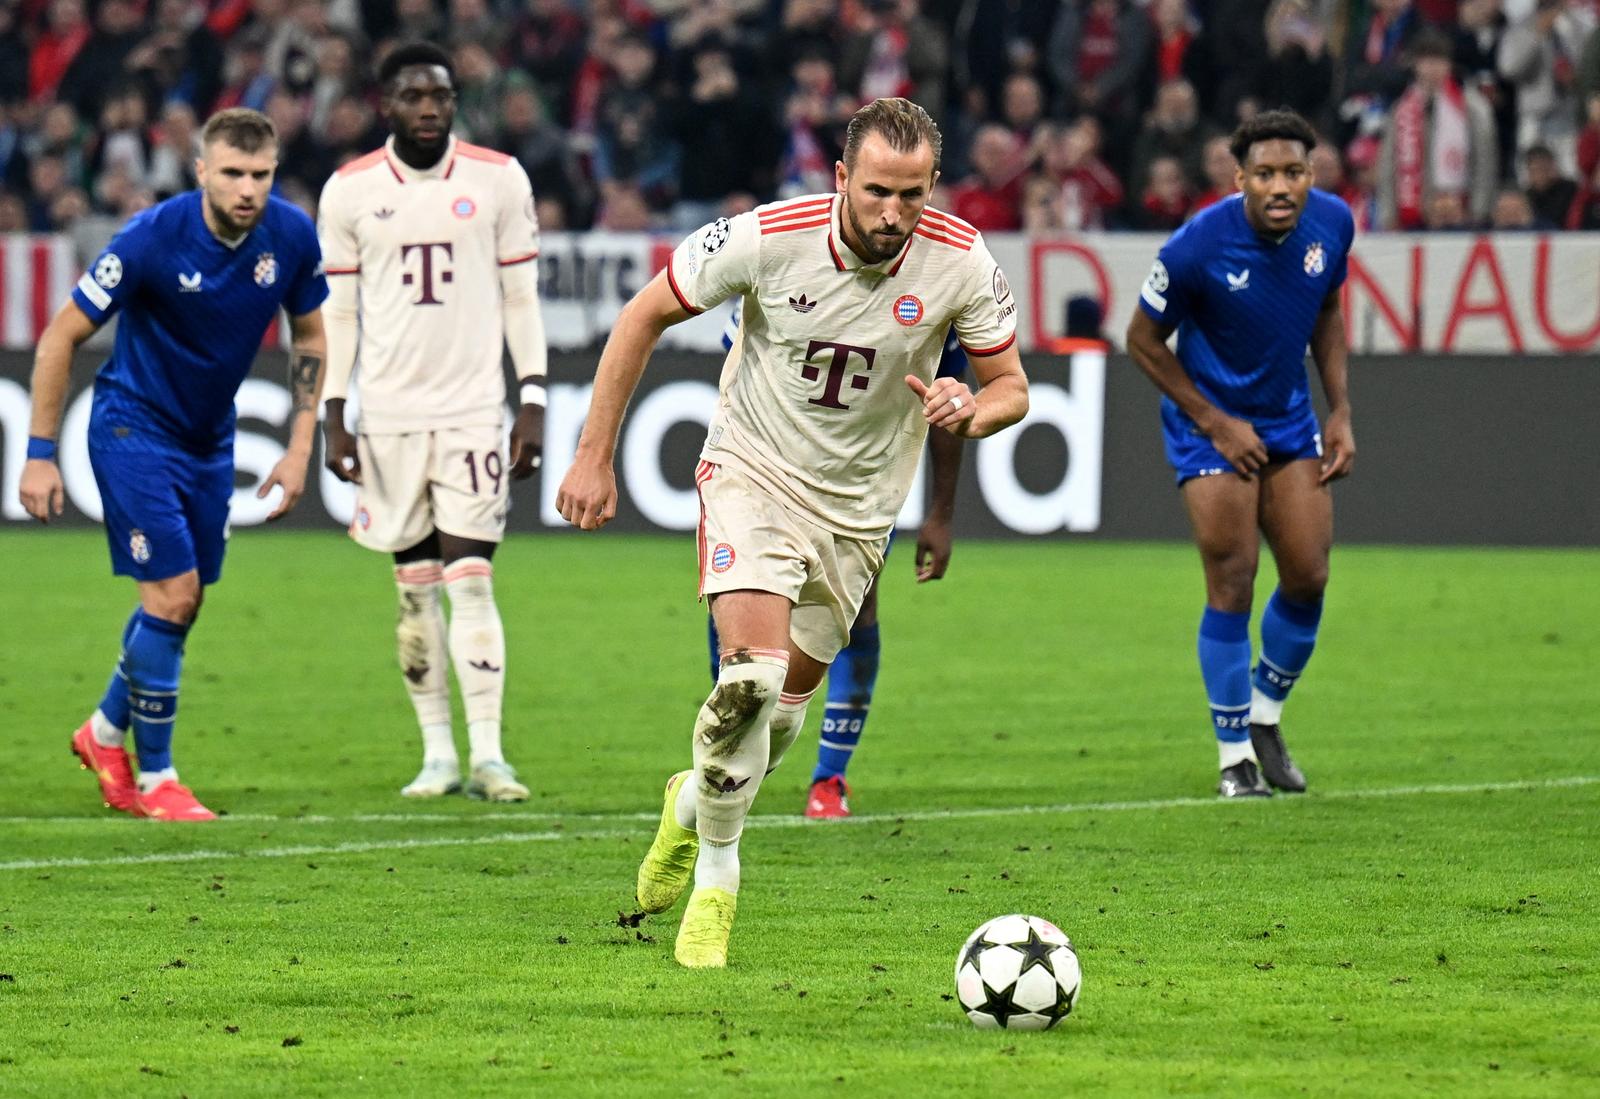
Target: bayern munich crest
[
  {"x": 722, "y": 558},
  {"x": 1316, "y": 259},
  {"x": 139, "y": 546},
  {"x": 463, "y": 207},
  {"x": 266, "y": 269},
  {"x": 908, "y": 309}
]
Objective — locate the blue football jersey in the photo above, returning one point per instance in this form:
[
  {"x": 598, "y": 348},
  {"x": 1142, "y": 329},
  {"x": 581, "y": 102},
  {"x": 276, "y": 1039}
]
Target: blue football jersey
[
  {"x": 1245, "y": 305},
  {"x": 194, "y": 311}
]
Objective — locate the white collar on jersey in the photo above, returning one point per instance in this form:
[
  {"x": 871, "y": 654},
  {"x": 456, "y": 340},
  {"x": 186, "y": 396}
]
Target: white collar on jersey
[
  {"x": 845, "y": 259},
  {"x": 407, "y": 174}
]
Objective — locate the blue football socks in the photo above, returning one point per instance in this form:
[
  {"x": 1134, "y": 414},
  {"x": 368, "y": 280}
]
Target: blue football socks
[
  {"x": 114, "y": 704},
  {"x": 1225, "y": 668},
  {"x": 850, "y": 683},
  {"x": 152, "y": 661},
  {"x": 1288, "y": 634}
]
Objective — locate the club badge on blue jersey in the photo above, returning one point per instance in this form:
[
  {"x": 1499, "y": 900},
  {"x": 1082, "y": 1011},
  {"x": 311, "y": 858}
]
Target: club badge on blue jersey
[
  {"x": 266, "y": 270},
  {"x": 1316, "y": 260}
]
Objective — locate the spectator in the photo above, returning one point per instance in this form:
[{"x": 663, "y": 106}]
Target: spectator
[
  {"x": 1589, "y": 139},
  {"x": 1361, "y": 188},
  {"x": 815, "y": 117},
  {"x": 541, "y": 148},
  {"x": 991, "y": 39},
  {"x": 1375, "y": 58},
  {"x": 1099, "y": 50},
  {"x": 301, "y": 157},
  {"x": 246, "y": 81},
  {"x": 337, "y": 76},
  {"x": 481, "y": 85},
  {"x": 991, "y": 198},
  {"x": 1229, "y": 56},
  {"x": 1550, "y": 194},
  {"x": 1538, "y": 56},
  {"x": 633, "y": 142},
  {"x": 180, "y": 58},
  {"x": 123, "y": 144},
  {"x": 1587, "y": 80},
  {"x": 1174, "y": 29},
  {"x": 1221, "y": 171},
  {"x": 473, "y": 21},
  {"x": 352, "y": 130},
  {"x": 896, "y": 52},
  {"x": 549, "y": 42},
  {"x": 1089, "y": 192},
  {"x": 1297, "y": 72},
  {"x": 1022, "y": 107},
  {"x": 67, "y": 31},
  {"x": 101, "y": 64},
  {"x": 13, "y": 148},
  {"x": 62, "y": 134},
  {"x": 1478, "y": 34},
  {"x": 1174, "y": 129},
  {"x": 47, "y": 182},
  {"x": 808, "y": 29},
  {"x": 1164, "y": 203},
  {"x": 1446, "y": 213},
  {"x": 13, "y": 213},
  {"x": 623, "y": 209},
  {"x": 173, "y": 152},
  {"x": 1513, "y": 212},
  {"x": 1438, "y": 139},
  {"x": 1585, "y": 212},
  {"x": 13, "y": 57},
  {"x": 730, "y": 144}
]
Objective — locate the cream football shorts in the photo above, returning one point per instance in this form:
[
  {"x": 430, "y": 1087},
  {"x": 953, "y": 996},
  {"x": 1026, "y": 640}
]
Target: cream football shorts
[
  {"x": 456, "y": 480},
  {"x": 748, "y": 540}
]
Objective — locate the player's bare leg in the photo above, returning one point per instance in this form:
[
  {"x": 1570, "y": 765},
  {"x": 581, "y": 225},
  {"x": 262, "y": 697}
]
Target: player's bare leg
[
  {"x": 478, "y": 651},
  {"x": 1223, "y": 512},
  {"x": 1297, "y": 519},
  {"x": 420, "y": 636}
]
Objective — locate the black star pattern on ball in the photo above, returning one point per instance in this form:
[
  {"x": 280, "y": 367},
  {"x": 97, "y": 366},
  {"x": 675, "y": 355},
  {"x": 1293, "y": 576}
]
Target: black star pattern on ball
[
  {"x": 977, "y": 947},
  {"x": 1060, "y": 1009},
  {"x": 998, "y": 1005},
  {"x": 1035, "y": 952}
]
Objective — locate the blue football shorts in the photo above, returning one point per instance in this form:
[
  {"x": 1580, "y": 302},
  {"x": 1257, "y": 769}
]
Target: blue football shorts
[
  {"x": 1191, "y": 454},
  {"x": 166, "y": 509}
]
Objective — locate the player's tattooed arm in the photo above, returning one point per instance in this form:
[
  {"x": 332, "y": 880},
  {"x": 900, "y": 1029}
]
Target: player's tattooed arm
[
  {"x": 307, "y": 353},
  {"x": 304, "y": 369}
]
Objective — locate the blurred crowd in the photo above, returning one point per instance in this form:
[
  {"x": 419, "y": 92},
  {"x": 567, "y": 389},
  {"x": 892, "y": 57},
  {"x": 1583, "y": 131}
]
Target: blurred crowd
[{"x": 1058, "y": 115}]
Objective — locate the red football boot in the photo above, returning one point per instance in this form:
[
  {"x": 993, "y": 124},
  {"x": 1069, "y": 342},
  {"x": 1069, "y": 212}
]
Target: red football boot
[
  {"x": 110, "y": 766},
  {"x": 172, "y": 801},
  {"x": 829, "y": 800}
]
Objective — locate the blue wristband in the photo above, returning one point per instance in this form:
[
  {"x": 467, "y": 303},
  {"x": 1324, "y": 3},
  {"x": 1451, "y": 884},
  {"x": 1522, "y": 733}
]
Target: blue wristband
[{"x": 41, "y": 448}]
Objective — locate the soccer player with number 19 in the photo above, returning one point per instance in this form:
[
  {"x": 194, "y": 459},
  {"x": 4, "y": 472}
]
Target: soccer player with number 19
[
  {"x": 826, "y": 399},
  {"x": 1248, "y": 285},
  {"x": 197, "y": 280},
  {"x": 431, "y": 246}
]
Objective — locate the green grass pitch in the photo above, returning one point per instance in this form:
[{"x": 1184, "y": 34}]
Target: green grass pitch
[{"x": 1425, "y": 922}]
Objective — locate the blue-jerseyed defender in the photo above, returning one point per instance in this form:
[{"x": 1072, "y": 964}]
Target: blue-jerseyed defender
[
  {"x": 1248, "y": 285},
  {"x": 196, "y": 281}
]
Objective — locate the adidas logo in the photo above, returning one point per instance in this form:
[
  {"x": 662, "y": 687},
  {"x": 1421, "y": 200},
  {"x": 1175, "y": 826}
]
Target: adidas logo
[
  {"x": 801, "y": 305},
  {"x": 384, "y": 214}
]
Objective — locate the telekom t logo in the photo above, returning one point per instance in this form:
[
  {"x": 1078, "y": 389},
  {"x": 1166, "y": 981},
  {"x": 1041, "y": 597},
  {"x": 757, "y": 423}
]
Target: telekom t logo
[
  {"x": 427, "y": 270},
  {"x": 837, "y": 371}
]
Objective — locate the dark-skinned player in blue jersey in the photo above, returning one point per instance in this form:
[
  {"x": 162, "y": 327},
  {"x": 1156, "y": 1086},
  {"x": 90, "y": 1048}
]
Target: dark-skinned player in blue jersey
[
  {"x": 196, "y": 280},
  {"x": 1248, "y": 285}
]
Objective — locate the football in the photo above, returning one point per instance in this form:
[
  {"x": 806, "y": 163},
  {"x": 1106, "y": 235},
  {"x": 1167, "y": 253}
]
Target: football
[{"x": 1018, "y": 973}]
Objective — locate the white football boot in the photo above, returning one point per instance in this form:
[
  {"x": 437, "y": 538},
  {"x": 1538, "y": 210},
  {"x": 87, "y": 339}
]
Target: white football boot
[
  {"x": 437, "y": 778},
  {"x": 496, "y": 781}
]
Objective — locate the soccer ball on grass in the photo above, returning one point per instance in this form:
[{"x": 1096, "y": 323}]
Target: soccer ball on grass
[{"x": 1017, "y": 972}]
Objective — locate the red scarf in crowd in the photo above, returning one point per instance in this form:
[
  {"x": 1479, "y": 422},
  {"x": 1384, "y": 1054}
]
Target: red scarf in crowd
[{"x": 1423, "y": 158}]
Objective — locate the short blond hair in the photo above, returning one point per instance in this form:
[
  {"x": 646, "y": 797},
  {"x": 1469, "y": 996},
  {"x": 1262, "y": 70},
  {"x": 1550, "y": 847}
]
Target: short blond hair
[{"x": 900, "y": 122}]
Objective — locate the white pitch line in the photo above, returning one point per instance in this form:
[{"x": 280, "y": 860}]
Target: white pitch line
[{"x": 774, "y": 821}]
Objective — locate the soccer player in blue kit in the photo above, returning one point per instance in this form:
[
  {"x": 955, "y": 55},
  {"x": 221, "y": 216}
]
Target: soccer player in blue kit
[
  {"x": 197, "y": 280},
  {"x": 1247, "y": 285}
]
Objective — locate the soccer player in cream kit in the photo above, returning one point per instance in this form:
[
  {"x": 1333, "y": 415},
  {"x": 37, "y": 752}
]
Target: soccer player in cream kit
[
  {"x": 1248, "y": 285},
  {"x": 196, "y": 280},
  {"x": 431, "y": 247},
  {"x": 826, "y": 399}
]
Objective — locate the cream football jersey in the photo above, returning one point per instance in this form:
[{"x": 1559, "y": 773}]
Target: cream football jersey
[
  {"x": 814, "y": 404},
  {"x": 426, "y": 248}
]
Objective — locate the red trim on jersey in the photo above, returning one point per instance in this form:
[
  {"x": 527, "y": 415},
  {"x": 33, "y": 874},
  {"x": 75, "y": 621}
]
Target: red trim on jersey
[
  {"x": 683, "y": 301},
  {"x": 341, "y": 270},
  {"x": 834, "y": 252},
  {"x": 788, "y": 216},
  {"x": 478, "y": 152},
  {"x": 904, "y": 252},
  {"x": 940, "y": 239},
  {"x": 702, "y": 474},
  {"x": 400, "y": 179},
  {"x": 519, "y": 259},
  {"x": 448, "y": 168},
  {"x": 798, "y": 207},
  {"x": 362, "y": 163},
  {"x": 985, "y": 352},
  {"x": 791, "y": 226},
  {"x": 947, "y": 224}
]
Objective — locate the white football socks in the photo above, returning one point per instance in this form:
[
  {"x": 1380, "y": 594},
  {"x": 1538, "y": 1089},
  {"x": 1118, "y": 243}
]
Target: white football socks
[
  {"x": 731, "y": 742},
  {"x": 1230, "y": 752},
  {"x": 149, "y": 780},
  {"x": 717, "y": 866},
  {"x": 478, "y": 651},
  {"x": 1264, "y": 710},
  {"x": 106, "y": 734},
  {"x": 788, "y": 720},
  {"x": 419, "y": 632}
]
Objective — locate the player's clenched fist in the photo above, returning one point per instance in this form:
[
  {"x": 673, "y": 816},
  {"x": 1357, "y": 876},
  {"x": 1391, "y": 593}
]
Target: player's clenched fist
[
  {"x": 41, "y": 490},
  {"x": 588, "y": 495},
  {"x": 947, "y": 403}
]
